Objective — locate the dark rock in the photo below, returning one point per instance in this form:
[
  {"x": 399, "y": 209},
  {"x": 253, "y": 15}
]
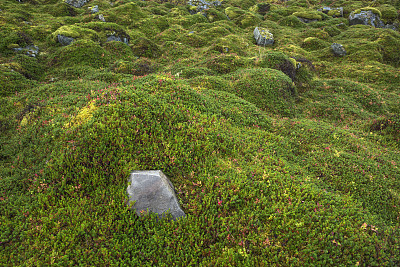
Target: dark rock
[
  {"x": 64, "y": 40},
  {"x": 263, "y": 36},
  {"x": 76, "y": 3},
  {"x": 31, "y": 50},
  {"x": 152, "y": 191},
  {"x": 338, "y": 50},
  {"x": 366, "y": 17}
]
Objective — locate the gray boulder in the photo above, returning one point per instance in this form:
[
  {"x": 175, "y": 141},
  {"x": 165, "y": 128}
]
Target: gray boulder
[
  {"x": 64, "y": 40},
  {"x": 76, "y": 3},
  {"x": 152, "y": 191},
  {"x": 263, "y": 36},
  {"x": 338, "y": 50},
  {"x": 366, "y": 17}
]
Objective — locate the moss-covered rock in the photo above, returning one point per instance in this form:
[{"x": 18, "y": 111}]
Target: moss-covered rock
[
  {"x": 126, "y": 14},
  {"x": 226, "y": 63},
  {"x": 81, "y": 52},
  {"x": 74, "y": 33},
  {"x": 187, "y": 21},
  {"x": 261, "y": 8},
  {"x": 138, "y": 67},
  {"x": 292, "y": 21},
  {"x": 389, "y": 14},
  {"x": 230, "y": 44},
  {"x": 269, "y": 89},
  {"x": 143, "y": 47},
  {"x": 153, "y": 25},
  {"x": 314, "y": 43},
  {"x": 214, "y": 15},
  {"x": 310, "y": 15},
  {"x": 242, "y": 18}
]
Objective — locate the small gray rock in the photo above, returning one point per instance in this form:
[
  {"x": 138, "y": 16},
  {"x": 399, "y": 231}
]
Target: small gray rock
[
  {"x": 101, "y": 17},
  {"x": 263, "y": 36},
  {"x": 64, "y": 40},
  {"x": 338, "y": 50},
  {"x": 76, "y": 3},
  {"x": 152, "y": 191},
  {"x": 95, "y": 9}
]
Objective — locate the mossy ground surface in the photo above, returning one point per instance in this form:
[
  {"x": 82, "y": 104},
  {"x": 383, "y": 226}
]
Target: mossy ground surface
[{"x": 283, "y": 155}]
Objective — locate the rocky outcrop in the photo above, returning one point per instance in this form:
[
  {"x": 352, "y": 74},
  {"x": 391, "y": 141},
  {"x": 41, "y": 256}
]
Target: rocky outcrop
[
  {"x": 200, "y": 5},
  {"x": 76, "y": 3},
  {"x": 152, "y": 191},
  {"x": 366, "y": 17},
  {"x": 31, "y": 50},
  {"x": 338, "y": 50},
  {"x": 263, "y": 36}
]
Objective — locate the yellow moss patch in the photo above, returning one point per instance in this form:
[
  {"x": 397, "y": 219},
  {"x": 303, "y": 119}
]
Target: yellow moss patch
[{"x": 83, "y": 116}]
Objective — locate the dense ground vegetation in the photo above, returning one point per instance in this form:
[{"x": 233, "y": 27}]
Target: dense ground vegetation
[{"x": 280, "y": 155}]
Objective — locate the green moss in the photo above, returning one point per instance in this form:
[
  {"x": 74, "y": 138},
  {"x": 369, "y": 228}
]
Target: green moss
[
  {"x": 193, "y": 39},
  {"x": 372, "y": 9},
  {"x": 234, "y": 13},
  {"x": 310, "y": 15},
  {"x": 75, "y": 32},
  {"x": 214, "y": 15},
  {"x": 314, "y": 43},
  {"x": 12, "y": 81},
  {"x": 269, "y": 89},
  {"x": 153, "y": 25},
  {"x": 243, "y": 4},
  {"x": 390, "y": 42},
  {"x": 81, "y": 52},
  {"x": 230, "y": 44},
  {"x": 226, "y": 63},
  {"x": 334, "y": 13},
  {"x": 388, "y": 13},
  {"x": 119, "y": 50},
  {"x": 215, "y": 32},
  {"x": 187, "y": 21},
  {"x": 60, "y": 9},
  {"x": 124, "y": 15},
  {"x": 292, "y": 21},
  {"x": 138, "y": 67},
  {"x": 143, "y": 47},
  {"x": 106, "y": 29}
]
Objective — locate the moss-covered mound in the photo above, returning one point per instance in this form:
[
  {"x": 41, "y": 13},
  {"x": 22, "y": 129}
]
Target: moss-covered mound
[{"x": 283, "y": 155}]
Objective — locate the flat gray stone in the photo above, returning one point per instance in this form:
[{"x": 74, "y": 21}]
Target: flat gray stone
[{"x": 152, "y": 191}]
